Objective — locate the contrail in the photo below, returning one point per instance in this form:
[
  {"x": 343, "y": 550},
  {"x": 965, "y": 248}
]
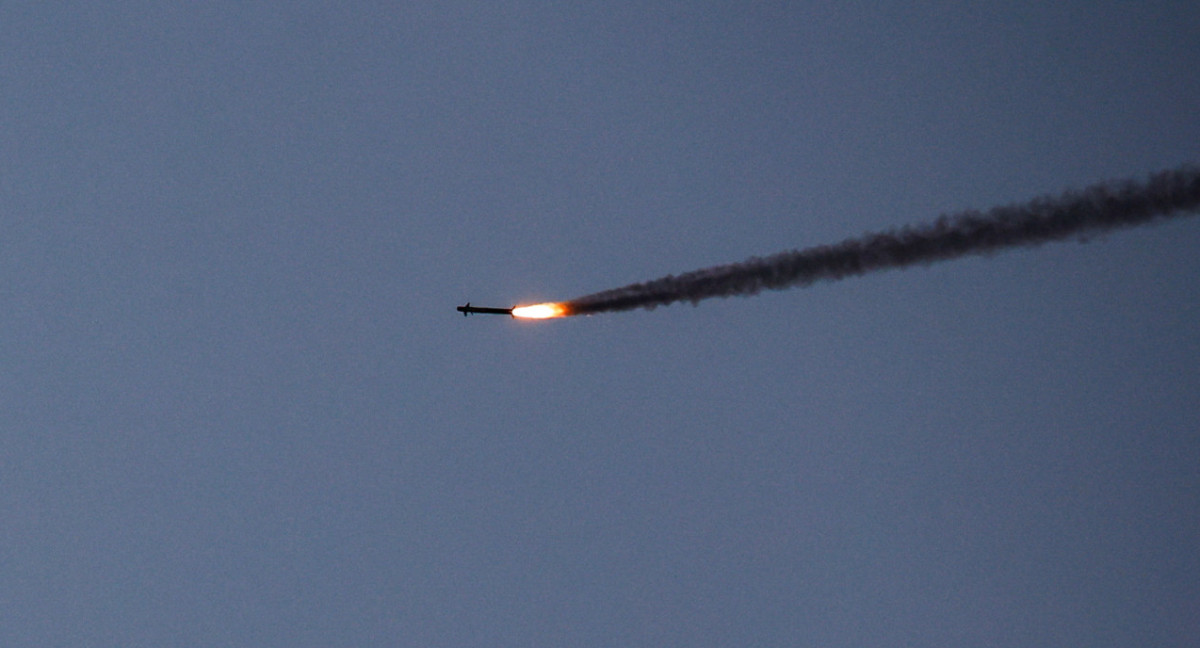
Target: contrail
[{"x": 1098, "y": 208}]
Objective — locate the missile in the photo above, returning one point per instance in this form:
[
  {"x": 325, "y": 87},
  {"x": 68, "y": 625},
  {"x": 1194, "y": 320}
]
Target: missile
[{"x": 468, "y": 309}]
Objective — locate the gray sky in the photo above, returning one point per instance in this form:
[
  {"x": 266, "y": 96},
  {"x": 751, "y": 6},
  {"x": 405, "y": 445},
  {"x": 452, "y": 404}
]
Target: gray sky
[{"x": 237, "y": 406}]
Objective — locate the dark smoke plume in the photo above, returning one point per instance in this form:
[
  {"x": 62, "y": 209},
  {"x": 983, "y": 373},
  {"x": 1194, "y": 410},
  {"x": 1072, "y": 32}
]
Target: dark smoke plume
[{"x": 1095, "y": 209}]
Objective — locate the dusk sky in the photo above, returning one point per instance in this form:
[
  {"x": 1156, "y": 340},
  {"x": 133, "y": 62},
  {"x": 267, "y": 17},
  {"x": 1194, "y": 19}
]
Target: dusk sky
[{"x": 238, "y": 408}]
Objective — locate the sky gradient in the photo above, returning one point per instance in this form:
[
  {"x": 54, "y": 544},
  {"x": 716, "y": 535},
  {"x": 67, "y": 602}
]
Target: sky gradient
[{"x": 237, "y": 406}]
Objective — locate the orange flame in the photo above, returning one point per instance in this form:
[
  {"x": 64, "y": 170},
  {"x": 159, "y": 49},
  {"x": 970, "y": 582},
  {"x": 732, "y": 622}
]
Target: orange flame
[{"x": 540, "y": 311}]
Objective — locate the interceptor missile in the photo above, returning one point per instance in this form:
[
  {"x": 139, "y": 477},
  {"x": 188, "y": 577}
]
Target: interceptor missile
[{"x": 468, "y": 309}]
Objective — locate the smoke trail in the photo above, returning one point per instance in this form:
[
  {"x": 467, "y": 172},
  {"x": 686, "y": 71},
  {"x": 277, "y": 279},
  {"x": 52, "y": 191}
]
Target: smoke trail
[{"x": 1097, "y": 208}]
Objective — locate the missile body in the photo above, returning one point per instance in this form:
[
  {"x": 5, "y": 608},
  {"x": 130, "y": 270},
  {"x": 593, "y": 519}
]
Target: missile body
[{"x": 468, "y": 309}]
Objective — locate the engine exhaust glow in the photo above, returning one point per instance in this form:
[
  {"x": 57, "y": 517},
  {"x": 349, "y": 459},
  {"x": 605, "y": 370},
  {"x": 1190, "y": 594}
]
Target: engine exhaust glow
[{"x": 540, "y": 311}]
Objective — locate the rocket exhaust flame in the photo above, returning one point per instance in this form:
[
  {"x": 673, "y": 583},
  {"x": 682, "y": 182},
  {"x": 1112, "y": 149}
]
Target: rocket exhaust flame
[
  {"x": 1098, "y": 208},
  {"x": 540, "y": 311}
]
